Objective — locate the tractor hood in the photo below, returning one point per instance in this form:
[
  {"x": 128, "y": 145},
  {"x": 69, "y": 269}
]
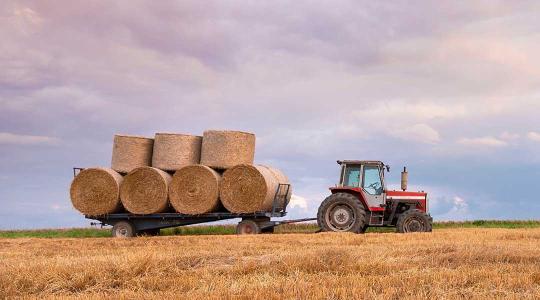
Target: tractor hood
[{"x": 406, "y": 195}]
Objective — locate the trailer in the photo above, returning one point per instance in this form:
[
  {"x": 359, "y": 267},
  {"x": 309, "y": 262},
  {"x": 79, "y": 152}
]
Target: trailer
[
  {"x": 126, "y": 224},
  {"x": 130, "y": 225}
]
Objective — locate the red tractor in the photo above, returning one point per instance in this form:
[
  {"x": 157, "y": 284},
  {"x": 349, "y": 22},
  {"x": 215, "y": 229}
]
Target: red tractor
[{"x": 361, "y": 200}]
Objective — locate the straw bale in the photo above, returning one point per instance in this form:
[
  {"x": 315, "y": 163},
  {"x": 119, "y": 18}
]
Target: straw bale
[
  {"x": 195, "y": 190},
  {"x": 282, "y": 179},
  {"x": 222, "y": 149},
  {"x": 130, "y": 152},
  {"x": 145, "y": 191},
  {"x": 174, "y": 151},
  {"x": 248, "y": 188},
  {"x": 96, "y": 191}
]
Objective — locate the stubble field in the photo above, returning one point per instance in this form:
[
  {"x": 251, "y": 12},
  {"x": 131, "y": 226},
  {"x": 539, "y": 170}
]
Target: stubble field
[{"x": 448, "y": 263}]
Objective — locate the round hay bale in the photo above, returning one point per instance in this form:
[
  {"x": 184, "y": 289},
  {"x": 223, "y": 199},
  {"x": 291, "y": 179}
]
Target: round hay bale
[
  {"x": 130, "y": 152},
  {"x": 248, "y": 188},
  {"x": 174, "y": 151},
  {"x": 96, "y": 191},
  {"x": 145, "y": 191},
  {"x": 225, "y": 149},
  {"x": 195, "y": 190},
  {"x": 282, "y": 179}
]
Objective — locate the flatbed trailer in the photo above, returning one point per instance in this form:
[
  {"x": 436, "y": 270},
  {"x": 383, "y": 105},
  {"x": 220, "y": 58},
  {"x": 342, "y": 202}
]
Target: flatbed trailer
[
  {"x": 129, "y": 225},
  {"x": 126, "y": 224}
]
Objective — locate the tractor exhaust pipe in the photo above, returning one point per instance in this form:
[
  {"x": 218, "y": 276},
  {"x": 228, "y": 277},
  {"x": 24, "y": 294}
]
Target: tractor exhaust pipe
[{"x": 404, "y": 179}]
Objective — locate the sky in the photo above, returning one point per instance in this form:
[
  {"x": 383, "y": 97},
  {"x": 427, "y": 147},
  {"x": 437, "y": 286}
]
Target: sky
[{"x": 450, "y": 89}]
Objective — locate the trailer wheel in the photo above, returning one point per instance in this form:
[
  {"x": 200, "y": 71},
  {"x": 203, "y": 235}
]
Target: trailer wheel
[
  {"x": 342, "y": 212},
  {"x": 123, "y": 229},
  {"x": 414, "y": 220},
  {"x": 248, "y": 227}
]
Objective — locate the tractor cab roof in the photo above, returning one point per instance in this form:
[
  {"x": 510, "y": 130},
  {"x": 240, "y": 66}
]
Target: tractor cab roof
[{"x": 360, "y": 162}]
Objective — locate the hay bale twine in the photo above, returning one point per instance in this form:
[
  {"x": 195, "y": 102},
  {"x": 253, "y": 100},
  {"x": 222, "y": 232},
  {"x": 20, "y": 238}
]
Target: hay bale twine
[
  {"x": 223, "y": 149},
  {"x": 145, "y": 191},
  {"x": 195, "y": 190},
  {"x": 130, "y": 152},
  {"x": 248, "y": 188},
  {"x": 96, "y": 191},
  {"x": 174, "y": 151}
]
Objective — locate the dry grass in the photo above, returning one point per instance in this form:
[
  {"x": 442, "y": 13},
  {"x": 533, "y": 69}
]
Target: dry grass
[{"x": 449, "y": 263}]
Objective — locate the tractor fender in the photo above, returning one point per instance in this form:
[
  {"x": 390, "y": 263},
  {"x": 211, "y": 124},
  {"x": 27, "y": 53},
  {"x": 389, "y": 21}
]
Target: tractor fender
[{"x": 357, "y": 192}]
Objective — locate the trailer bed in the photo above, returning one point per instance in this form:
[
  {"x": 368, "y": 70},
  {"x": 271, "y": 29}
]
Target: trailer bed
[{"x": 128, "y": 224}]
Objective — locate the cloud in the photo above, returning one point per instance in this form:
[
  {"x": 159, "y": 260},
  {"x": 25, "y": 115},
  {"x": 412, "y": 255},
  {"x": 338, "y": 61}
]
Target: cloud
[
  {"x": 7, "y": 138},
  {"x": 459, "y": 210},
  {"x": 534, "y": 136},
  {"x": 449, "y": 208},
  {"x": 432, "y": 87},
  {"x": 509, "y": 136},
  {"x": 298, "y": 201},
  {"x": 420, "y": 133},
  {"x": 460, "y": 204},
  {"x": 483, "y": 142}
]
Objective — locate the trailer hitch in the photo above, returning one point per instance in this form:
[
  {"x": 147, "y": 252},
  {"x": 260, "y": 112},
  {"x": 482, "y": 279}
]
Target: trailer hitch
[{"x": 97, "y": 223}]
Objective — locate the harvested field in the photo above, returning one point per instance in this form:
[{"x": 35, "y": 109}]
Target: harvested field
[{"x": 448, "y": 263}]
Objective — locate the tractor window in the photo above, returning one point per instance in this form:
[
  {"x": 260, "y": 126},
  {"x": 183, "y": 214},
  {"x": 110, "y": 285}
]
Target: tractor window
[
  {"x": 372, "y": 180},
  {"x": 352, "y": 176}
]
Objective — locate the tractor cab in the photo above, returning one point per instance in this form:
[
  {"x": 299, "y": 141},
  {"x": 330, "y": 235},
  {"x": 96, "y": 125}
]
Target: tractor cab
[
  {"x": 361, "y": 199},
  {"x": 366, "y": 177}
]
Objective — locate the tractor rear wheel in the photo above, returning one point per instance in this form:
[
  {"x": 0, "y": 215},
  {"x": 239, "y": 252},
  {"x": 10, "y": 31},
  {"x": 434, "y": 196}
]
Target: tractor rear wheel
[
  {"x": 342, "y": 212},
  {"x": 414, "y": 220}
]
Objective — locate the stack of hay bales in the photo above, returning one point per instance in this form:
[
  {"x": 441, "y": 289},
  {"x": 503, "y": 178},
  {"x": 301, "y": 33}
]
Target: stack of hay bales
[{"x": 177, "y": 172}]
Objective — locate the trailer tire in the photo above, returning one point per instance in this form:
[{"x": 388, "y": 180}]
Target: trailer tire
[
  {"x": 342, "y": 212},
  {"x": 123, "y": 229},
  {"x": 248, "y": 227},
  {"x": 414, "y": 220}
]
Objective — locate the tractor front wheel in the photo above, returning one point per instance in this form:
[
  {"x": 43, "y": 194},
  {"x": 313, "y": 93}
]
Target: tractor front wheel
[
  {"x": 414, "y": 220},
  {"x": 342, "y": 212}
]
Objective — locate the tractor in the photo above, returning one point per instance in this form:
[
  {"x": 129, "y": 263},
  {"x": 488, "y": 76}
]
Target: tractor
[{"x": 361, "y": 200}]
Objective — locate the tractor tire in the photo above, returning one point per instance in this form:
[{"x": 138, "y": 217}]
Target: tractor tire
[
  {"x": 123, "y": 229},
  {"x": 342, "y": 212},
  {"x": 414, "y": 220},
  {"x": 364, "y": 229}
]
